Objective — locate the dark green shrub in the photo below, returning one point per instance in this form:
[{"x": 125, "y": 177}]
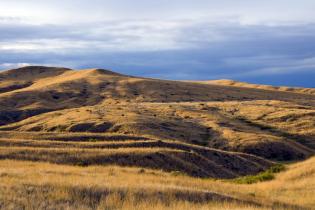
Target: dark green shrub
[{"x": 263, "y": 176}]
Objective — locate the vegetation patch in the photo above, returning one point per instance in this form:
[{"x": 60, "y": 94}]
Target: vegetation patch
[{"x": 261, "y": 177}]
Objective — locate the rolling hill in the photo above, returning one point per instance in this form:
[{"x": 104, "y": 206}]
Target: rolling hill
[
  {"x": 126, "y": 140},
  {"x": 274, "y": 123}
]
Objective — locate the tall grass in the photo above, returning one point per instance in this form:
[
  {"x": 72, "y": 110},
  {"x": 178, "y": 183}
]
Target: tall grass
[{"x": 35, "y": 185}]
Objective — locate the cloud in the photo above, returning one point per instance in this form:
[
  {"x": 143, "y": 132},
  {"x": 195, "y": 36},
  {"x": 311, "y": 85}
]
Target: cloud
[
  {"x": 13, "y": 65},
  {"x": 144, "y": 35},
  {"x": 248, "y": 11},
  {"x": 268, "y": 65},
  {"x": 112, "y": 35},
  {"x": 244, "y": 40}
]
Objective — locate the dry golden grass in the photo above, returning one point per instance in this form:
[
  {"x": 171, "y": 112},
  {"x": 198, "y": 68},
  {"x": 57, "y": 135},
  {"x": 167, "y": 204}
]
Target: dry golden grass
[
  {"x": 40, "y": 185},
  {"x": 285, "y": 130}
]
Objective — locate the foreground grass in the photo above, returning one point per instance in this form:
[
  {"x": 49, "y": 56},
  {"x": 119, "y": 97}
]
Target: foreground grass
[{"x": 33, "y": 185}]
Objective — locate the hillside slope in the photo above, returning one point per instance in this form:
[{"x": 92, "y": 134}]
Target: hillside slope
[
  {"x": 267, "y": 122},
  {"x": 126, "y": 150}
]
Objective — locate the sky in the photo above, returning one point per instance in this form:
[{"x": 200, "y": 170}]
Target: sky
[{"x": 265, "y": 42}]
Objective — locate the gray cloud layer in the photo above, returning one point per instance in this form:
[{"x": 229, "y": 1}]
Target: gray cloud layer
[{"x": 234, "y": 41}]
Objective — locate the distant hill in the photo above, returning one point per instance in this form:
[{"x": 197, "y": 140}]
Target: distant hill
[{"x": 265, "y": 87}]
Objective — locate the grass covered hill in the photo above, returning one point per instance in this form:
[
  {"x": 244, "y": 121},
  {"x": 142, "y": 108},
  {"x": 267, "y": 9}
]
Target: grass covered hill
[
  {"x": 96, "y": 139},
  {"x": 278, "y": 121}
]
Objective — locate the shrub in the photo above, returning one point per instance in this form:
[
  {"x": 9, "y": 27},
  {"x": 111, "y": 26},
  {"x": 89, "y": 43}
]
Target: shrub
[
  {"x": 277, "y": 168},
  {"x": 263, "y": 176}
]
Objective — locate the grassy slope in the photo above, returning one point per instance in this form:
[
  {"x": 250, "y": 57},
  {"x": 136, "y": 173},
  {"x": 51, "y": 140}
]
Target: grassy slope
[
  {"x": 124, "y": 150},
  {"x": 40, "y": 185},
  {"x": 279, "y": 123}
]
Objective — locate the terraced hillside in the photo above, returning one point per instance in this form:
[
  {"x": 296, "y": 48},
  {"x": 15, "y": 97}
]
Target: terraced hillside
[{"x": 84, "y": 150}]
